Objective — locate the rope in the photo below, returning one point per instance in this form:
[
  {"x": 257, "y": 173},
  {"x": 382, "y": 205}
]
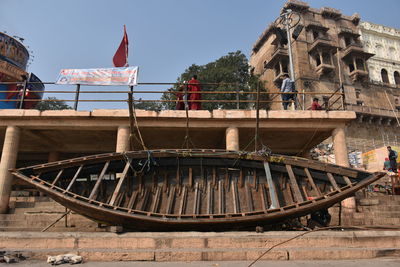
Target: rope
[
  {"x": 132, "y": 110},
  {"x": 311, "y": 231},
  {"x": 187, "y": 141}
]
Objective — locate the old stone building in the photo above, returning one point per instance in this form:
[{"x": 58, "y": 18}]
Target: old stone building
[{"x": 329, "y": 56}]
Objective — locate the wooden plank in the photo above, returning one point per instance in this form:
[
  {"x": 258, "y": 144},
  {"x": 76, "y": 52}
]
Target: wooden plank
[
  {"x": 74, "y": 178},
  {"x": 263, "y": 194},
  {"x": 221, "y": 197},
  {"x": 249, "y": 197},
  {"x": 210, "y": 198},
  {"x": 171, "y": 200},
  {"x": 214, "y": 176},
  {"x": 58, "y": 177},
  {"x": 178, "y": 175},
  {"x": 196, "y": 200},
  {"x": 99, "y": 179},
  {"x": 241, "y": 178},
  {"x": 145, "y": 199},
  {"x": 190, "y": 177},
  {"x": 312, "y": 183},
  {"x": 255, "y": 180},
  {"x": 120, "y": 182},
  {"x": 235, "y": 197},
  {"x": 182, "y": 205},
  {"x": 271, "y": 187},
  {"x": 132, "y": 200},
  {"x": 333, "y": 182},
  {"x": 294, "y": 185},
  {"x": 156, "y": 201},
  {"x": 347, "y": 180}
]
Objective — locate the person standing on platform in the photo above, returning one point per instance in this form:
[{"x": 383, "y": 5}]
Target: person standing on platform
[
  {"x": 193, "y": 88},
  {"x": 180, "y": 105},
  {"x": 287, "y": 88},
  {"x": 392, "y": 155}
]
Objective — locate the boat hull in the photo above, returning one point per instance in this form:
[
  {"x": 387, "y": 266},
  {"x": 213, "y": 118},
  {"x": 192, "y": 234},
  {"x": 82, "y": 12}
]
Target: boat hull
[{"x": 204, "y": 190}]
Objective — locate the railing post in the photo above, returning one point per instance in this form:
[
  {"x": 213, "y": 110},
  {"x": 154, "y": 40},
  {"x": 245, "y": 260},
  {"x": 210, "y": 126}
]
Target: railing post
[
  {"x": 78, "y": 88},
  {"x": 237, "y": 97},
  {"x": 343, "y": 97},
  {"x": 21, "y": 102}
]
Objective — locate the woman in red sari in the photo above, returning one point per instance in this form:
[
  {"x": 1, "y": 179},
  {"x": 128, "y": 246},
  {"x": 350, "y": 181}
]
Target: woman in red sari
[{"x": 194, "y": 87}]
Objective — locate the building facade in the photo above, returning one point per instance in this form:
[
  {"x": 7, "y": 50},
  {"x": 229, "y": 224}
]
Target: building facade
[
  {"x": 384, "y": 42},
  {"x": 331, "y": 54}
]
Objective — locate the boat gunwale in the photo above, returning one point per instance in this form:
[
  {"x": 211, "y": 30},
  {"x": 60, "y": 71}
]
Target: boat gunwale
[{"x": 196, "y": 153}]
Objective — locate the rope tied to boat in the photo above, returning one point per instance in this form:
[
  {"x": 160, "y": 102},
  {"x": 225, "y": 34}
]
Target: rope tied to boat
[{"x": 145, "y": 166}]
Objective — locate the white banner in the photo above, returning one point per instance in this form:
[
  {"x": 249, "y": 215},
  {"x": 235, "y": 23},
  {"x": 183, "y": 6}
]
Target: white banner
[{"x": 106, "y": 76}]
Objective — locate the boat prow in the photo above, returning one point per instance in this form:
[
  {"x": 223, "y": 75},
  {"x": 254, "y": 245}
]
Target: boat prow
[{"x": 202, "y": 190}]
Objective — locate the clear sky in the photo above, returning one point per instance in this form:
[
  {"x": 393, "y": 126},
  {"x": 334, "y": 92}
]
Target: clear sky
[{"x": 165, "y": 36}]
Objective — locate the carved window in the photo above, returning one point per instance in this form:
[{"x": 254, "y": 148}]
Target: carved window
[
  {"x": 351, "y": 67},
  {"x": 384, "y": 76},
  {"x": 317, "y": 60},
  {"x": 360, "y": 64},
  {"x": 360, "y": 103},
  {"x": 347, "y": 41},
  {"x": 326, "y": 58},
  {"x": 396, "y": 76},
  {"x": 358, "y": 93},
  {"x": 379, "y": 50}
]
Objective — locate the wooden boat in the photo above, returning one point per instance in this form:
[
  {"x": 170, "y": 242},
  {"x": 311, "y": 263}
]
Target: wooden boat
[{"x": 202, "y": 190}]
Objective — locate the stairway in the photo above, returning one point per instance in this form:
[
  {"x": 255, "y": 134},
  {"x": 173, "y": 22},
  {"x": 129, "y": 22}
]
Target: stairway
[
  {"x": 206, "y": 246},
  {"x": 34, "y": 213}
]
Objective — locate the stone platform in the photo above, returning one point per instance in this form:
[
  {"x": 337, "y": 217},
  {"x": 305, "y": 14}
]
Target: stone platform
[{"x": 196, "y": 246}]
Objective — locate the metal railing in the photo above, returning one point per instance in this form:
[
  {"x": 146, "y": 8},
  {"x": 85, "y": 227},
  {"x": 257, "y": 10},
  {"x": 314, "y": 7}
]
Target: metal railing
[{"x": 239, "y": 97}]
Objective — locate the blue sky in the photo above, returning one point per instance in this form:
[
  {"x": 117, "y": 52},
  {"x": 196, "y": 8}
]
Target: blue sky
[{"x": 166, "y": 36}]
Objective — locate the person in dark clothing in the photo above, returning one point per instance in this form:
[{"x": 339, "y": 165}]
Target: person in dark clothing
[{"x": 392, "y": 155}]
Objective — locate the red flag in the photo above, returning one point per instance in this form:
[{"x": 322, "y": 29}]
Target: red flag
[{"x": 120, "y": 58}]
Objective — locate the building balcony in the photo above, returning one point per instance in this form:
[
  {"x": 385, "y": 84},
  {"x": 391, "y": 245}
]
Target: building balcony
[
  {"x": 358, "y": 75},
  {"x": 355, "y": 49},
  {"x": 324, "y": 69},
  {"x": 321, "y": 43},
  {"x": 276, "y": 55}
]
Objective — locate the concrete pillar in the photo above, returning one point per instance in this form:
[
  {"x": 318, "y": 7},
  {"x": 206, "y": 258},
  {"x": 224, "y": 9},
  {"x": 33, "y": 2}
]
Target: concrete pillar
[
  {"x": 53, "y": 156},
  {"x": 232, "y": 138},
  {"x": 342, "y": 159},
  {"x": 122, "y": 139},
  {"x": 8, "y": 161}
]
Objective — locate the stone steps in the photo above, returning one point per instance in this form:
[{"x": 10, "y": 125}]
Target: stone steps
[{"x": 194, "y": 246}]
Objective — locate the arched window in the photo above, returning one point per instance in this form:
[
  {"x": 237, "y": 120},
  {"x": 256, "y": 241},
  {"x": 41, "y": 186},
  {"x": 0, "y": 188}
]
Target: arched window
[
  {"x": 384, "y": 75},
  {"x": 396, "y": 78}
]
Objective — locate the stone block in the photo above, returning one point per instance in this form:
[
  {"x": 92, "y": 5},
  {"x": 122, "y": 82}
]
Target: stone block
[
  {"x": 109, "y": 256},
  {"x": 178, "y": 256},
  {"x": 110, "y": 113},
  {"x": 188, "y": 243},
  {"x": 64, "y": 113},
  {"x": 116, "y": 243},
  {"x": 11, "y": 112}
]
